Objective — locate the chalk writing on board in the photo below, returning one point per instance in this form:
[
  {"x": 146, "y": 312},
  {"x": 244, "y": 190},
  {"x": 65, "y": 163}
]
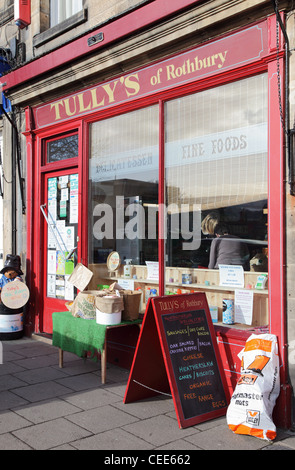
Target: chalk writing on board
[{"x": 194, "y": 362}]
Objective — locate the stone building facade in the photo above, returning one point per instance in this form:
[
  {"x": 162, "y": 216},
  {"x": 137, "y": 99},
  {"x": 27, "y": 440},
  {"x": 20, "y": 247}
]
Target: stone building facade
[{"x": 71, "y": 48}]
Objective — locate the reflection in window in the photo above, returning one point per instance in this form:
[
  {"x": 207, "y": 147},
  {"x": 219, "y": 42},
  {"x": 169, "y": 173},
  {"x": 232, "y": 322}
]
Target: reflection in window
[
  {"x": 216, "y": 161},
  {"x": 62, "y": 149},
  {"x": 123, "y": 187},
  {"x": 60, "y": 10}
]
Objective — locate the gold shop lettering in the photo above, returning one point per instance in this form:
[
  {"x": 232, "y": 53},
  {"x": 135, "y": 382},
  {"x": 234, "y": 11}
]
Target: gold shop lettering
[
  {"x": 97, "y": 97},
  {"x": 195, "y": 65}
]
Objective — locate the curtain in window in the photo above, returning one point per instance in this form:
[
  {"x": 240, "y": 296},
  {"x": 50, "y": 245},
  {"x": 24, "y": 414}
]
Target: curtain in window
[
  {"x": 216, "y": 145},
  {"x": 60, "y": 10},
  {"x": 123, "y": 186}
]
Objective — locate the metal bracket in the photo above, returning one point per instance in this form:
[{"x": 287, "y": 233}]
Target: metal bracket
[{"x": 95, "y": 39}]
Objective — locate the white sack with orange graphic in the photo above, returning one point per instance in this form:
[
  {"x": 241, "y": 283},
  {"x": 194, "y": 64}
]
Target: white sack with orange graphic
[{"x": 251, "y": 406}]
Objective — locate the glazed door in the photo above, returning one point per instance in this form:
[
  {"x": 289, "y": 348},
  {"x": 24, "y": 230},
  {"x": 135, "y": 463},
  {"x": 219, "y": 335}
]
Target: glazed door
[{"x": 61, "y": 229}]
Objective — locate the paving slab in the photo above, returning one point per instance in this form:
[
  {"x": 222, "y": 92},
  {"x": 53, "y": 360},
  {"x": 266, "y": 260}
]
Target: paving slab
[
  {"x": 10, "y": 421},
  {"x": 221, "y": 437},
  {"x": 158, "y": 430},
  {"x": 287, "y": 443},
  {"x": 39, "y": 374},
  {"x": 44, "y": 407},
  {"x": 80, "y": 382},
  {"x": 9, "y": 400},
  {"x": 90, "y": 399},
  {"x": 41, "y": 391},
  {"x": 102, "y": 419},
  {"x": 50, "y": 434},
  {"x": 114, "y": 441},
  {"x": 46, "y": 410},
  {"x": 10, "y": 442},
  {"x": 147, "y": 408},
  {"x": 8, "y": 382},
  {"x": 36, "y": 362}
]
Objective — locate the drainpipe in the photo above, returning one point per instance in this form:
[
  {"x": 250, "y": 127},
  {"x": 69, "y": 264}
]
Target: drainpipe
[
  {"x": 15, "y": 161},
  {"x": 18, "y": 154},
  {"x": 289, "y": 139},
  {"x": 13, "y": 190},
  {"x": 289, "y": 133}
]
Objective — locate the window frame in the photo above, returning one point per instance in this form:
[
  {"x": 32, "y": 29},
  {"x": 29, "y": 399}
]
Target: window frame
[
  {"x": 106, "y": 119},
  {"x": 48, "y": 33},
  {"x": 66, "y": 163},
  {"x": 191, "y": 97},
  {"x": 59, "y": 4},
  {"x": 59, "y": 138},
  {"x": 162, "y": 99}
]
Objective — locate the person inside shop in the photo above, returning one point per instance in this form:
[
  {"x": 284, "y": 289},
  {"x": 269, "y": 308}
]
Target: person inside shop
[
  {"x": 228, "y": 249},
  {"x": 11, "y": 271},
  {"x": 201, "y": 255},
  {"x": 209, "y": 223}
]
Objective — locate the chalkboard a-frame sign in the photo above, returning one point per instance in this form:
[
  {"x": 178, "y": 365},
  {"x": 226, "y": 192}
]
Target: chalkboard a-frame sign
[{"x": 177, "y": 354}]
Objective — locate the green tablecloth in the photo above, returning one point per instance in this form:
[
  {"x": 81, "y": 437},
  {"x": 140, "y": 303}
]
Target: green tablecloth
[{"x": 77, "y": 335}]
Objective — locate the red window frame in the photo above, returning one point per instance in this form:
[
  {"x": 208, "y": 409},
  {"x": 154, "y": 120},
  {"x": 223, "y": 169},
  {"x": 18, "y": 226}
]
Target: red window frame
[{"x": 53, "y": 139}]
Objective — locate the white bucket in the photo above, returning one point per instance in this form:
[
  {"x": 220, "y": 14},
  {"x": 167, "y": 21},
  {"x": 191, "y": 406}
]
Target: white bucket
[
  {"x": 11, "y": 323},
  {"x": 103, "y": 318}
]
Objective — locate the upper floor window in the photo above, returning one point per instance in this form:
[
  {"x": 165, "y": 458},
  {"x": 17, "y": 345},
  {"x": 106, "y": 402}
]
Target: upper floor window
[{"x": 61, "y": 10}]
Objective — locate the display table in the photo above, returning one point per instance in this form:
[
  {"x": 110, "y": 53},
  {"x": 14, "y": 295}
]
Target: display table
[{"x": 80, "y": 336}]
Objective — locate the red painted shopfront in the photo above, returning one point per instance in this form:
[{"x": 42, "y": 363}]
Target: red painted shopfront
[{"x": 69, "y": 168}]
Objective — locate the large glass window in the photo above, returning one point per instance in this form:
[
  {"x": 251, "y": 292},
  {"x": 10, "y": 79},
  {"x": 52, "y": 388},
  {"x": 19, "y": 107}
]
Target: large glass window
[
  {"x": 123, "y": 185},
  {"x": 216, "y": 168},
  {"x": 216, "y": 175}
]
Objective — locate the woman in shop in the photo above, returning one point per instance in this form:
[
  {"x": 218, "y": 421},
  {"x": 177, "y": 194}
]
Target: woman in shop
[{"x": 227, "y": 249}]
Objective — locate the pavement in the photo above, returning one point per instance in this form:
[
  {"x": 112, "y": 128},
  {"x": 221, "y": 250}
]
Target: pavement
[{"x": 44, "y": 407}]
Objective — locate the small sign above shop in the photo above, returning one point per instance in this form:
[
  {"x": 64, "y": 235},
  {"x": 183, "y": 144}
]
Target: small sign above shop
[
  {"x": 206, "y": 60},
  {"x": 95, "y": 39}
]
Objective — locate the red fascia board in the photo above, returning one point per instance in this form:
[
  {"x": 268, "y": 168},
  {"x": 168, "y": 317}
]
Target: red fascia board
[{"x": 130, "y": 23}]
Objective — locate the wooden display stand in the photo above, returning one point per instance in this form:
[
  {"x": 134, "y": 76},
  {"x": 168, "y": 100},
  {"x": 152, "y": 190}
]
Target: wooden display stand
[{"x": 203, "y": 280}]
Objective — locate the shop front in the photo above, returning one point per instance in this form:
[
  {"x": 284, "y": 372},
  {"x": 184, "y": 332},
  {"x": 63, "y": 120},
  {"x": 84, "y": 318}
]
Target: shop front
[{"x": 141, "y": 164}]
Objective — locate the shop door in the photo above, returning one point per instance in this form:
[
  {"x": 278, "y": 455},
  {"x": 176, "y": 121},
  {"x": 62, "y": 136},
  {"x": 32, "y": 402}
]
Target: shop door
[{"x": 61, "y": 229}]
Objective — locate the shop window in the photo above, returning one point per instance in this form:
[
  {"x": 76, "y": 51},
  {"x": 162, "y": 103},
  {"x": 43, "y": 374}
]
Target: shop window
[
  {"x": 215, "y": 154},
  {"x": 123, "y": 185},
  {"x": 216, "y": 165},
  {"x": 61, "y": 10},
  {"x": 216, "y": 175},
  {"x": 62, "y": 148}
]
